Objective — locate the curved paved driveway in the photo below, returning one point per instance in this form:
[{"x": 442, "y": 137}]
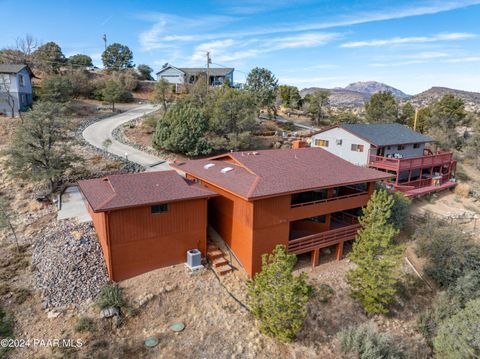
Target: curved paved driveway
[{"x": 99, "y": 131}]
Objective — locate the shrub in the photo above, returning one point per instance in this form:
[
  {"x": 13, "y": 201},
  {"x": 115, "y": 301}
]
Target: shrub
[
  {"x": 277, "y": 298},
  {"x": 400, "y": 210},
  {"x": 81, "y": 83},
  {"x": 366, "y": 343},
  {"x": 324, "y": 293},
  {"x": 458, "y": 336},
  {"x": 84, "y": 324},
  {"x": 6, "y": 330},
  {"x": 450, "y": 253},
  {"x": 110, "y": 296}
]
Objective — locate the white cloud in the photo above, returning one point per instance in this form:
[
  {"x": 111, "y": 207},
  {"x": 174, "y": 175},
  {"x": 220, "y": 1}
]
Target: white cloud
[
  {"x": 409, "y": 40},
  {"x": 464, "y": 59}
]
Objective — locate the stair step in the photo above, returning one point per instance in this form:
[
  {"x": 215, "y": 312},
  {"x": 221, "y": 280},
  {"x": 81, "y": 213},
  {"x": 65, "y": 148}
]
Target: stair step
[
  {"x": 222, "y": 270},
  {"x": 214, "y": 254},
  {"x": 212, "y": 247},
  {"x": 220, "y": 261}
]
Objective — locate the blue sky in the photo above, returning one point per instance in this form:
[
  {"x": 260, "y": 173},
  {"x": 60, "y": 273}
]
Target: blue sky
[{"x": 411, "y": 45}]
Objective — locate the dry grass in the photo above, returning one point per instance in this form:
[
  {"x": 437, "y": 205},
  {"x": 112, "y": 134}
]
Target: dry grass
[{"x": 462, "y": 190}]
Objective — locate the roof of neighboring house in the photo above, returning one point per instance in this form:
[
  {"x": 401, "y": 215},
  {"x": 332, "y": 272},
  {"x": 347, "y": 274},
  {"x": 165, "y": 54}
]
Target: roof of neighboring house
[
  {"x": 214, "y": 71},
  {"x": 270, "y": 173},
  {"x": 384, "y": 134},
  {"x": 12, "y": 68},
  {"x": 140, "y": 189}
]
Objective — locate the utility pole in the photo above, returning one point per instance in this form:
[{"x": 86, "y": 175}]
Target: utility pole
[
  {"x": 415, "y": 120},
  {"x": 209, "y": 61},
  {"x": 105, "y": 40}
]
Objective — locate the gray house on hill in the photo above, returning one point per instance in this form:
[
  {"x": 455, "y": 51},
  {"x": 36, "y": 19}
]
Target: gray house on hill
[
  {"x": 15, "y": 88},
  {"x": 189, "y": 75}
]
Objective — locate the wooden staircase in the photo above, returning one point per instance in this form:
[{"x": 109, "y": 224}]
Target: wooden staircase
[{"x": 217, "y": 258}]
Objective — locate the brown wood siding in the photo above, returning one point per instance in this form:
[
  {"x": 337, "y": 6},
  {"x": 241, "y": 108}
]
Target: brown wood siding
[
  {"x": 141, "y": 241},
  {"x": 100, "y": 224},
  {"x": 231, "y": 217}
]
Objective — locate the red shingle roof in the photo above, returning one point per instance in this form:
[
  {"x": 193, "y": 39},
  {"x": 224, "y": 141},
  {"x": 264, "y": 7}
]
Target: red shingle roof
[
  {"x": 140, "y": 189},
  {"x": 273, "y": 172}
]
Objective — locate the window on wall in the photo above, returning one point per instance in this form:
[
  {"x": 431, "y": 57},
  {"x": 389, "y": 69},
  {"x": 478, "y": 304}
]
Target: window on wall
[
  {"x": 21, "y": 80},
  {"x": 159, "y": 208},
  {"x": 400, "y": 147},
  {"x": 321, "y": 143},
  {"x": 416, "y": 145},
  {"x": 357, "y": 148},
  {"x": 339, "y": 142},
  {"x": 318, "y": 219}
]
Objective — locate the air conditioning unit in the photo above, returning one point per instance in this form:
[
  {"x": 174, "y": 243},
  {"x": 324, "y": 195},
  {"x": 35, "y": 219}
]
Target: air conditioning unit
[{"x": 194, "y": 259}]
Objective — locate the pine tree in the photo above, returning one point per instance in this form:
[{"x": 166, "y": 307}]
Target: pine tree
[
  {"x": 277, "y": 298},
  {"x": 373, "y": 281}
]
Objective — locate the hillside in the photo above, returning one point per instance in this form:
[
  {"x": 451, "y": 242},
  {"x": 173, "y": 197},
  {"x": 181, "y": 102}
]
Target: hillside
[
  {"x": 472, "y": 99},
  {"x": 354, "y": 95}
]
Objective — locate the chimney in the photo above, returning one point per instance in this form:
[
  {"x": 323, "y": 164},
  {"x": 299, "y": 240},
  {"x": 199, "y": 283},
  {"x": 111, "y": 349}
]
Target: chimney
[{"x": 299, "y": 144}]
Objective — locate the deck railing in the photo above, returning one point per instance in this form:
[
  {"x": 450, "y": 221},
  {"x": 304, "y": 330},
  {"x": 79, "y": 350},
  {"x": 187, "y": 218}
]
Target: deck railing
[
  {"x": 323, "y": 239},
  {"x": 401, "y": 164},
  {"x": 324, "y": 200}
]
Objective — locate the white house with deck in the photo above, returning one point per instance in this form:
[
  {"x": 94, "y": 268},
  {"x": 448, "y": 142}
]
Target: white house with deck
[
  {"x": 392, "y": 148},
  {"x": 189, "y": 75}
]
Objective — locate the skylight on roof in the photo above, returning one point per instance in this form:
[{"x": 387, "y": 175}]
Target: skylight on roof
[
  {"x": 226, "y": 169},
  {"x": 209, "y": 165}
]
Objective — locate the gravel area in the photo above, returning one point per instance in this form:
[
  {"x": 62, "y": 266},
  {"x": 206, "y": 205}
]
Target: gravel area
[{"x": 68, "y": 265}]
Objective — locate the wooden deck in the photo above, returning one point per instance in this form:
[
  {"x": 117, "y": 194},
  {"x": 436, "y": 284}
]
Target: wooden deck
[
  {"x": 416, "y": 192},
  {"x": 406, "y": 164},
  {"x": 323, "y": 239}
]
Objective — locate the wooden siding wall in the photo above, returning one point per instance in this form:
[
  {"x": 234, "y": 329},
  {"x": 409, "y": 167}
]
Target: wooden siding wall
[
  {"x": 141, "y": 241},
  {"x": 100, "y": 224},
  {"x": 231, "y": 217}
]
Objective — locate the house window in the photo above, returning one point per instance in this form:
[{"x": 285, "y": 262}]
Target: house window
[
  {"x": 400, "y": 147},
  {"x": 159, "y": 208},
  {"x": 357, "y": 148},
  {"x": 21, "y": 80},
  {"x": 321, "y": 143},
  {"x": 338, "y": 142},
  {"x": 416, "y": 145}
]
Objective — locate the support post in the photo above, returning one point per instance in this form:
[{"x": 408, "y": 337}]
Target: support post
[
  {"x": 315, "y": 257},
  {"x": 339, "y": 251}
]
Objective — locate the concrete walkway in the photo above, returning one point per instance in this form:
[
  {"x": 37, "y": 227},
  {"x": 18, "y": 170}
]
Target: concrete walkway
[{"x": 99, "y": 131}]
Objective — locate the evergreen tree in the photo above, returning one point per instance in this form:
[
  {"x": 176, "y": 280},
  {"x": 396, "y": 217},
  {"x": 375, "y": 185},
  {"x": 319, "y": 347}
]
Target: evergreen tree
[
  {"x": 381, "y": 108},
  {"x": 145, "y": 72},
  {"x": 49, "y": 57},
  {"x": 263, "y": 85},
  {"x": 373, "y": 280},
  {"x": 162, "y": 93},
  {"x": 57, "y": 88},
  {"x": 317, "y": 104},
  {"x": 277, "y": 298},
  {"x": 39, "y": 151},
  {"x": 182, "y": 129},
  {"x": 117, "y": 57},
  {"x": 80, "y": 60},
  {"x": 407, "y": 116},
  {"x": 113, "y": 93}
]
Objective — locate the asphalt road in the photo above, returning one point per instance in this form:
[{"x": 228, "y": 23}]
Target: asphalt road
[{"x": 99, "y": 131}]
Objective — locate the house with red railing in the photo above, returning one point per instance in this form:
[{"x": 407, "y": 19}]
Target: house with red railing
[
  {"x": 410, "y": 156},
  {"x": 306, "y": 199}
]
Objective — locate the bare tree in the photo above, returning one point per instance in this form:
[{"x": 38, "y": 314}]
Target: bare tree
[
  {"x": 27, "y": 45},
  {"x": 5, "y": 94}
]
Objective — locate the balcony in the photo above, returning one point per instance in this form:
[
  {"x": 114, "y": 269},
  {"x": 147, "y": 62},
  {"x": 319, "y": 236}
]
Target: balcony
[
  {"x": 344, "y": 227},
  {"x": 406, "y": 164}
]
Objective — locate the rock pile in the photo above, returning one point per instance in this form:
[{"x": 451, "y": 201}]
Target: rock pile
[{"x": 68, "y": 265}]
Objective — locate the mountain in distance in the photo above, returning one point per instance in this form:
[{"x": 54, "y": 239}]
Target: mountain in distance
[
  {"x": 372, "y": 87},
  {"x": 434, "y": 94},
  {"x": 356, "y": 94}
]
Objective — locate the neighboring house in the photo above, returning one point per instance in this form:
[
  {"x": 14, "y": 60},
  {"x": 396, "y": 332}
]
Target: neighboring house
[
  {"x": 184, "y": 75},
  {"x": 146, "y": 221},
  {"x": 393, "y": 148},
  {"x": 15, "y": 88},
  {"x": 305, "y": 199}
]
